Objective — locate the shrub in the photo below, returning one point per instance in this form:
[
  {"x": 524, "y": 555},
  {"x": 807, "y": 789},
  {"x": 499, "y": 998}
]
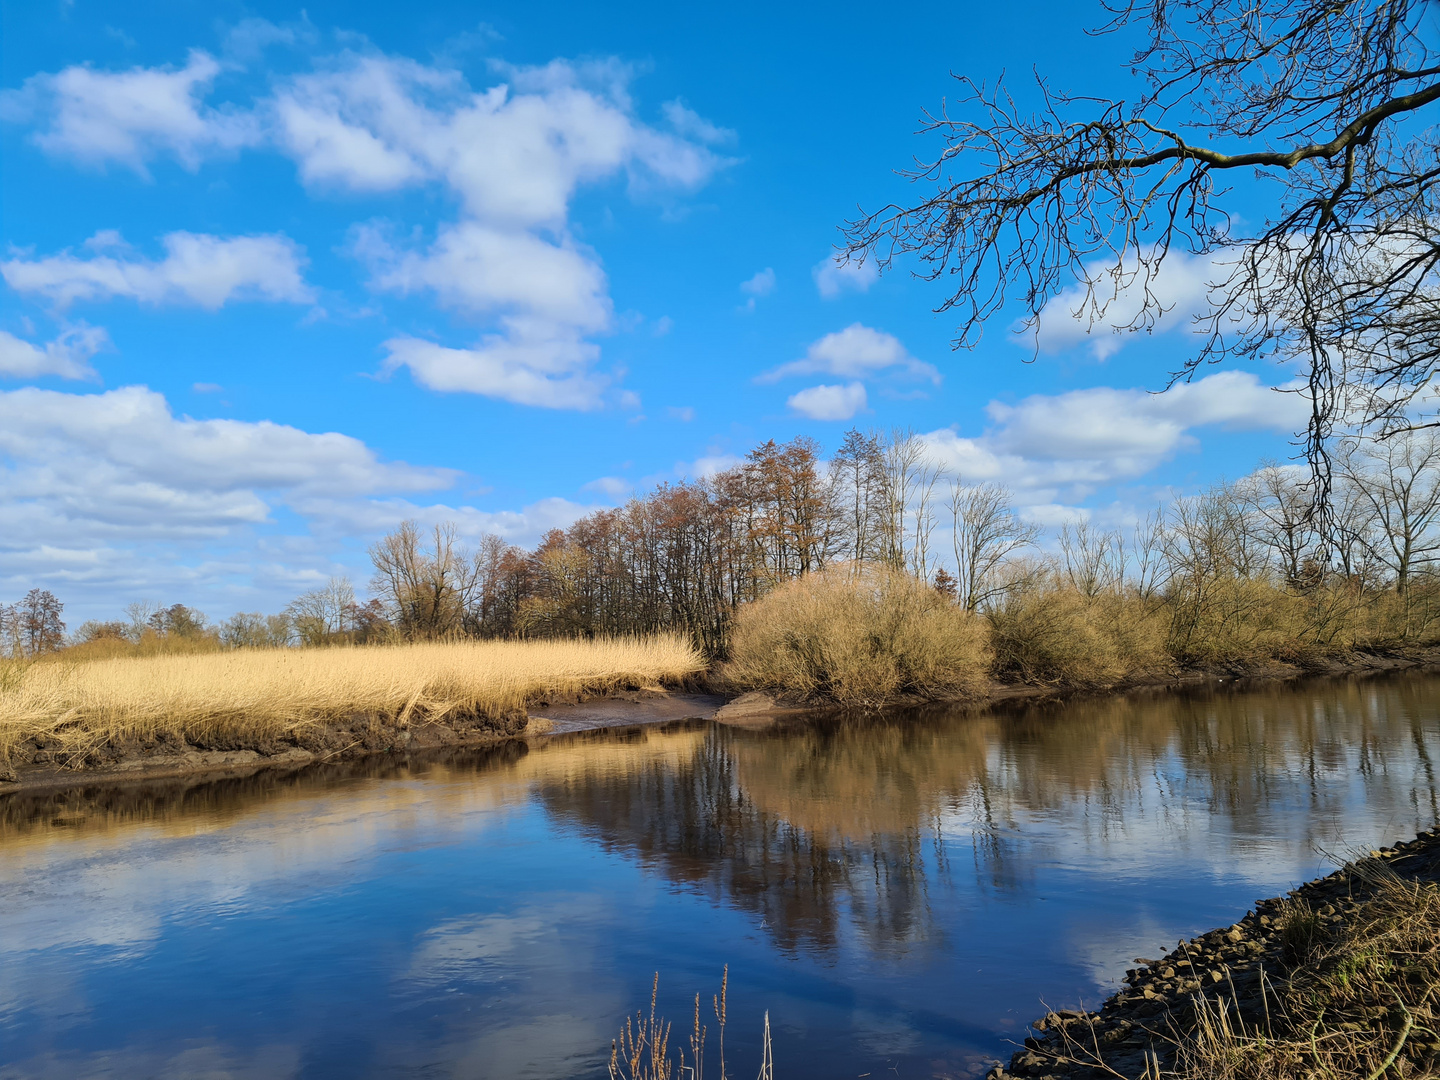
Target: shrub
[
  {"x": 858, "y": 636},
  {"x": 1049, "y": 633}
]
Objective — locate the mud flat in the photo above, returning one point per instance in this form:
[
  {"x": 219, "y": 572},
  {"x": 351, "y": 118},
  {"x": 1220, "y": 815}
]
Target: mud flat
[{"x": 1339, "y": 978}]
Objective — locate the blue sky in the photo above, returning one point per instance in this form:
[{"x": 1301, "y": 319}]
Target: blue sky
[{"x": 276, "y": 278}]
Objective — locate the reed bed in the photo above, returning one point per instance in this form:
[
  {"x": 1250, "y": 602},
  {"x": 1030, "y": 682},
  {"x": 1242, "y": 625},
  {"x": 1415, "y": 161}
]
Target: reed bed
[
  {"x": 248, "y": 698},
  {"x": 859, "y": 636}
]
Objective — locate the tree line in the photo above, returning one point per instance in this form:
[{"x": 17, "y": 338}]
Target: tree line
[{"x": 686, "y": 556}]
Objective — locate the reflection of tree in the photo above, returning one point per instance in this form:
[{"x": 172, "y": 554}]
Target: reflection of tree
[
  {"x": 806, "y": 822},
  {"x": 697, "y": 821}
]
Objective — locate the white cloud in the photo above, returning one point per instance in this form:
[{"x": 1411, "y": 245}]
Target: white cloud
[
  {"x": 67, "y": 357},
  {"x": 197, "y": 269},
  {"x": 1182, "y": 289},
  {"x": 689, "y": 124},
  {"x": 126, "y": 117},
  {"x": 683, "y": 413},
  {"x": 540, "y": 370},
  {"x": 1081, "y": 440},
  {"x": 829, "y": 402},
  {"x": 761, "y": 284},
  {"x": 111, "y": 496},
  {"x": 832, "y": 278},
  {"x": 479, "y": 268},
  {"x": 856, "y": 352},
  {"x": 707, "y": 465},
  {"x": 614, "y": 486},
  {"x": 515, "y": 154}
]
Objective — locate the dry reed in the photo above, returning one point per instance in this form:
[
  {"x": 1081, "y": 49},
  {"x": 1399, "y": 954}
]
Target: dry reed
[
  {"x": 1058, "y": 635},
  {"x": 245, "y": 698},
  {"x": 858, "y": 636}
]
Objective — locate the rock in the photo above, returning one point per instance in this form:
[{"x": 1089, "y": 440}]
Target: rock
[{"x": 751, "y": 704}]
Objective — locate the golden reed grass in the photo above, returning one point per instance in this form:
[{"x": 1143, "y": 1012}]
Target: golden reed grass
[
  {"x": 860, "y": 636},
  {"x": 248, "y": 697}
]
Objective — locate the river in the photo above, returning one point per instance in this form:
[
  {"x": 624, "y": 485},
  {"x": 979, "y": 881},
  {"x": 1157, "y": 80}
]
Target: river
[{"x": 900, "y": 893}]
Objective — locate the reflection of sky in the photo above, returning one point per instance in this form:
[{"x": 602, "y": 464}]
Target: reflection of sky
[{"x": 501, "y": 922}]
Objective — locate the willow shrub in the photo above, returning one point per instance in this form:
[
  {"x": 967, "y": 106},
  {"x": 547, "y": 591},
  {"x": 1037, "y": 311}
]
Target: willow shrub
[
  {"x": 859, "y": 637},
  {"x": 1055, "y": 634}
]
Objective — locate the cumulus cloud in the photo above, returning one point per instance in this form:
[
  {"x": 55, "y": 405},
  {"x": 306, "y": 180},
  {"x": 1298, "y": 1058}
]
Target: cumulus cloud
[
  {"x": 67, "y": 357},
  {"x": 112, "y": 494},
  {"x": 1081, "y": 440},
  {"x": 197, "y": 269},
  {"x": 1182, "y": 288},
  {"x": 856, "y": 352},
  {"x": 514, "y": 154},
  {"x": 127, "y": 117},
  {"x": 614, "y": 486},
  {"x": 707, "y": 465},
  {"x": 123, "y": 457},
  {"x": 529, "y": 365},
  {"x": 689, "y": 124},
  {"x": 479, "y": 268},
  {"x": 833, "y": 278},
  {"x": 829, "y": 402},
  {"x": 761, "y": 284}
]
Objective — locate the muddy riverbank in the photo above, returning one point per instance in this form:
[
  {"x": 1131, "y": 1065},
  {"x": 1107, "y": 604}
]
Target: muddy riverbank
[{"x": 43, "y": 766}]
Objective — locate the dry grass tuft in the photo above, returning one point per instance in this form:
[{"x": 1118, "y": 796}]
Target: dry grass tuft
[
  {"x": 1360, "y": 1000},
  {"x": 860, "y": 637},
  {"x": 245, "y": 698}
]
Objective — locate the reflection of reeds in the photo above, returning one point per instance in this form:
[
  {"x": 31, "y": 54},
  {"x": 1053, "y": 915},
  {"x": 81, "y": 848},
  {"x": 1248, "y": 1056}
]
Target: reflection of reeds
[{"x": 246, "y": 698}]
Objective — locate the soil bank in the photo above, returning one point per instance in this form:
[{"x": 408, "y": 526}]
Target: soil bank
[{"x": 363, "y": 734}]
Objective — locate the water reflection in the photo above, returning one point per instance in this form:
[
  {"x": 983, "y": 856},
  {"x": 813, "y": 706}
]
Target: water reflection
[
  {"x": 806, "y": 821},
  {"x": 899, "y": 891}
]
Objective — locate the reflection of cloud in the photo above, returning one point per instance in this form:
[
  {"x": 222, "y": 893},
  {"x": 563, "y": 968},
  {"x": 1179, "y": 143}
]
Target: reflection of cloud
[
  {"x": 201, "y": 1060},
  {"x": 454, "y": 950}
]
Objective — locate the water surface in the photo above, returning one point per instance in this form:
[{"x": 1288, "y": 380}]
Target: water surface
[{"x": 899, "y": 893}]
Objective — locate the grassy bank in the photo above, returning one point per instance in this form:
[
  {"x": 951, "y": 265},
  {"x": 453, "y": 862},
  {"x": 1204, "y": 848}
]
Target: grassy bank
[
  {"x": 86, "y": 711},
  {"x": 1339, "y": 979}
]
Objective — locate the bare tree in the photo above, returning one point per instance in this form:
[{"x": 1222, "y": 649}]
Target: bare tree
[
  {"x": 38, "y": 626},
  {"x": 1093, "y": 559},
  {"x": 428, "y": 588},
  {"x": 1148, "y": 554},
  {"x": 253, "y": 630},
  {"x": 1398, "y": 479},
  {"x": 323, "y": 614},
  {"x": 858, "y": 473},
  {"x": 1281, "y": 501},
  {"x": 985, "y": 532},
  {"x": 1326, "y": 102}
]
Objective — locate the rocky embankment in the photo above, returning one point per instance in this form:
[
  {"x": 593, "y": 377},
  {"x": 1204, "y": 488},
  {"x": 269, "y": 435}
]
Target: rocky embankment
[{"x": 1247, "y": 971}]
